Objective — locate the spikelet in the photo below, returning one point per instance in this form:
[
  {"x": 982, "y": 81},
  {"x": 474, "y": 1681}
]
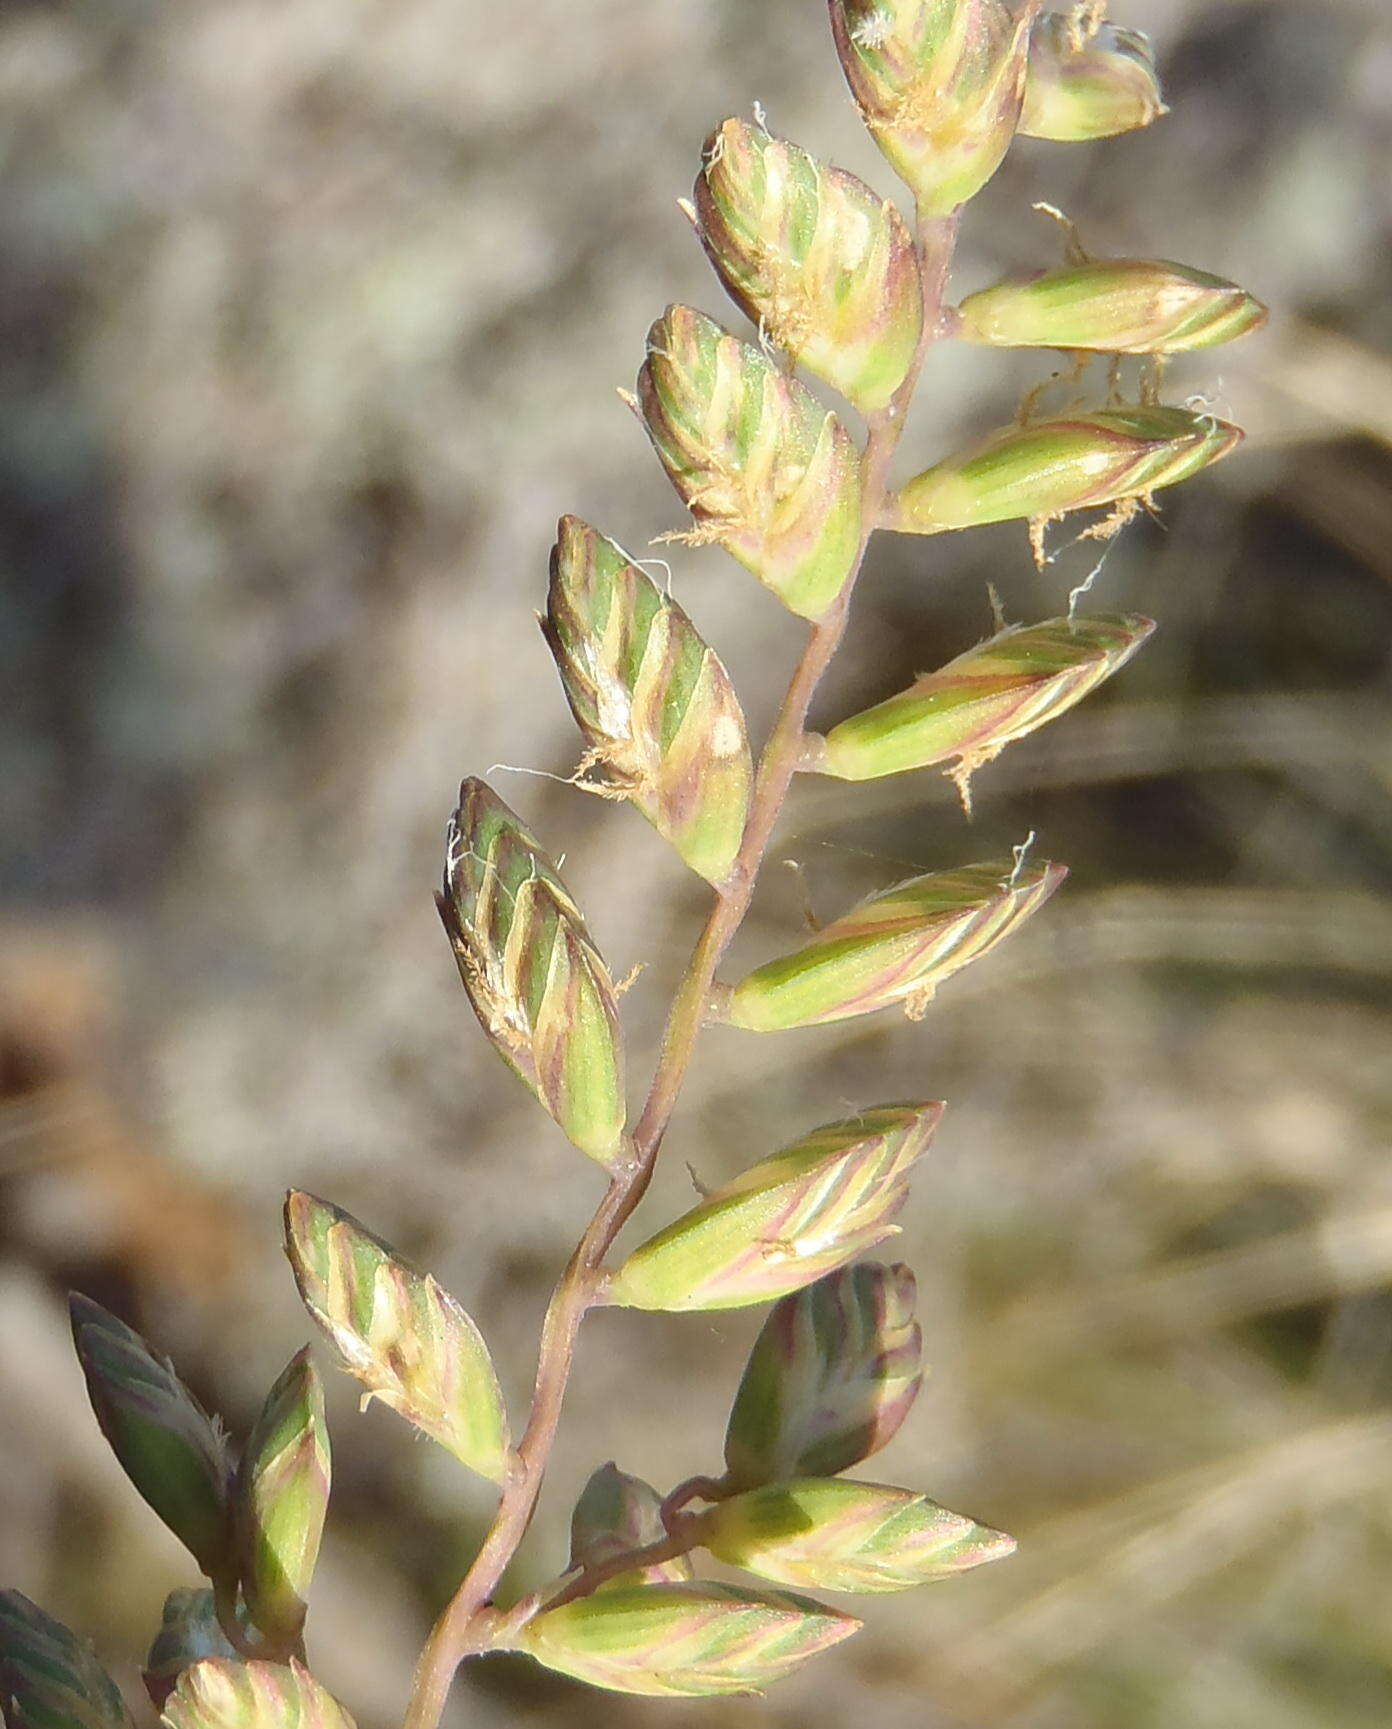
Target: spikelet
[
  {"x": 821, "y": 263},
  {"x": 655, "y": 705},
  {"x": 815, "y": 1206}
]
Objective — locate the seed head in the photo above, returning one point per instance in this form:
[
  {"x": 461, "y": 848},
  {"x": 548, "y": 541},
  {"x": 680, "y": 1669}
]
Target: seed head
[
  {"x": 656, "y": 707},
  {"x": 1079, "y": 87},
  {"x": 535, "y": 979},
  {"x": 817, "y": 1205},
  {"x": 833, "y": 1374},
  {"x": 814, "y": 257},
  {"x": 764, "y": 469},
  {"x": 683, "y": 1639},
  {"x": 836, "y": 1535},
  {"x": 894, "y": 948}
]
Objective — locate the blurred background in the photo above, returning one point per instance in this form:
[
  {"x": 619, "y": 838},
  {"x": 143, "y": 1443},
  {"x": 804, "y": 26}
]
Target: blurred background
[{"x": 311, "y": 315}]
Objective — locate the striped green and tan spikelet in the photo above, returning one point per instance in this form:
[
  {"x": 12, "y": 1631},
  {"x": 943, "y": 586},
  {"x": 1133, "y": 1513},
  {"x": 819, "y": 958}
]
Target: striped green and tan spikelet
[
  {"x": 656, "y": 707},
  {"x": 985, "y": 699},
  {"x": 815, "y": 1206},
  {"x": 765, "y": 470},
  {"x": 406, "y": 1339},
  {"x": 835, "y": 1535},
  {"x": 1083, "y": 83},
  {"x": 1112, "y": 305},
  {"x": 281, "y": 1500},
  {"x": 617, "y": 1513},
  {"x": 694, "y": 1640},
  {"x": 49, "y": 1678},
  {"x": 1046, "y": 468},
  {"x": 219, "y": 1694},
  {"x": 818, "y": 260},
  {"x": 894, "y": 948},
  {"x": 537, "y": 982},
  {"x": 939, "y": 84},
  {"x": 833, "y": 1374}
]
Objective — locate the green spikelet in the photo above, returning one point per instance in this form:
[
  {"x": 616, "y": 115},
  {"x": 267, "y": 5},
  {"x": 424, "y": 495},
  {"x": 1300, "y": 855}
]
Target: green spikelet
[
  {"x": 835, "y": 1535},
  {"x": 171, "y": 1449},
  {"x": 1042, "y": 470},
  {"x": 988, "y": 697},
  {"x": 189, "y": 1632},
  {"x": 655, "y": 705},
  {"x": 1114, "y": 305},
  {"x": 535, "y": 979},
  {"x": 765, "y": 470},
  {"x": 1083, "y": 84},
  {"x": 49, "y": 1678},
  {"x": 282, "y": 1498},
  {"x": 821, "y": 263},
  {"x": 939, "y": 83},
  {"x": 693, "y": 1640},
  {"x": 617, "y": 1513},
  {"x": 218, "y": 1694},
  {"x": 817, "y": 1205},
  {"x": 894, "y": 948},
  {"x": 832, "y": 1375},
  {"x": 405, "y": 1338}
]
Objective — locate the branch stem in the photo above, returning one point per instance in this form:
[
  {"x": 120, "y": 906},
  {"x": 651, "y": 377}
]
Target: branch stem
[{"x": 467, "y": 1625}]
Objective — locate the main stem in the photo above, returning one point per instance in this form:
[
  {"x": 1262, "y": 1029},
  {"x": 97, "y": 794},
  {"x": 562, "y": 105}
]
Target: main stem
[{"x": 463, "y": 1628}]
